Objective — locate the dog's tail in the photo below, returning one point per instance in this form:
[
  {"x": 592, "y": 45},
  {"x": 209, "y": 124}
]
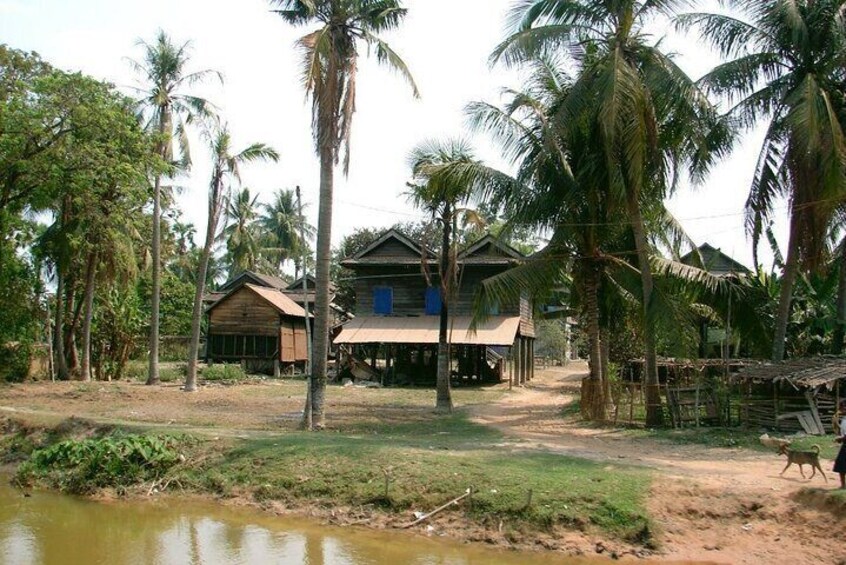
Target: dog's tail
[{"x": 816, "y": 448}]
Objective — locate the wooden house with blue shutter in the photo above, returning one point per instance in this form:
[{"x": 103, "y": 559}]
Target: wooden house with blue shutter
[{"x": 398, "y": 308}]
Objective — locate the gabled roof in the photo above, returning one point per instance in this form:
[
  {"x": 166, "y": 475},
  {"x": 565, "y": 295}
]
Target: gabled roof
[
  {"x": 715, "y": 261},
  {"x": 271, "y": 296},
  {"x": 490, "y": 250},
  {"x": 268, "y": 281},
  {"x": 392, "y": 248},
  {"x": 311, "y": 283}
]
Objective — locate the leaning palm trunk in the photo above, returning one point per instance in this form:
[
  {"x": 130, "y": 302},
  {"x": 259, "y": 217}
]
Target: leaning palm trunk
[
  {"x": 594, "y": 407},
  {"x": 197, "y": 314},
  {"x": 840, "y": 327},
  {"x": 654, "y": 410},
  {"x": 788, "y": 279},
  {"x": 444, "y": 395},
  {"x": 88, "y": 316}
]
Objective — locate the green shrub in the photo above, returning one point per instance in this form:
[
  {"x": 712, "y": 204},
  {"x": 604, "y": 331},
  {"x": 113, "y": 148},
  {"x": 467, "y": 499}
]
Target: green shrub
[
  {"x": 136, "y": 370},
  {"x": 15, "y": 360},
  {"x": 217, "y": 373},
  {"x": 82, "y": 466}
]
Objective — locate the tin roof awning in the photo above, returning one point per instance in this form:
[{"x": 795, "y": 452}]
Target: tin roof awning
[{"x": 496, "y": 331}]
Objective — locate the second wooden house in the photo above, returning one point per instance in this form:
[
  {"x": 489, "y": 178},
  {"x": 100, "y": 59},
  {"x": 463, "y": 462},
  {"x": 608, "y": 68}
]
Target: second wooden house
[{"x": 258, "y": 327}]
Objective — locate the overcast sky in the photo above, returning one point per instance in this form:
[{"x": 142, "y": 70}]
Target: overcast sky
[{"x": 446, "y": 44}]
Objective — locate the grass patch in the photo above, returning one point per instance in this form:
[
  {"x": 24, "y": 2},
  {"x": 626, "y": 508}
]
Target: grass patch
[
  {"x": 223, "y": 373},
  {"x": 734, "y": 438},
  {"x": 431, "y": 464}
]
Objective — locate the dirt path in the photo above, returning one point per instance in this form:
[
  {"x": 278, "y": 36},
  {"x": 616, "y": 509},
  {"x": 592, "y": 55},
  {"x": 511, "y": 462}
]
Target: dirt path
[{"x": 719, "y": 505}]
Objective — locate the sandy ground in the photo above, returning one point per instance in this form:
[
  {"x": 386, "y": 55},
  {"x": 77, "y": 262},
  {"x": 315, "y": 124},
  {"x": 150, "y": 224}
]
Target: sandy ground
[
  {"x": 721, "y": 505},
  {"x": 710, "y": 505}
]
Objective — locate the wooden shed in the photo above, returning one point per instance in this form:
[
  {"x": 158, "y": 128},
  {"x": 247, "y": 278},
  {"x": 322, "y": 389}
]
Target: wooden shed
[
  {"x": 795, "y": 395},
  {"x": 256, "y": 326}
]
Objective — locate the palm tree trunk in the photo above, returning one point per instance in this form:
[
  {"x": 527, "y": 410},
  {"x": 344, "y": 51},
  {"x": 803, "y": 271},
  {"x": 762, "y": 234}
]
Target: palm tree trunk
[
  {"x": 73, "y": 313},
  {"x": 153, "y": 372},
  {"x": 654, "y": 410},
  {"x": 788, "y": 279},
  {"x": 197, "y": 313},
  {"x": 59, "y": 331},
  {"x": 840, "y": 325},
  {"x": 444, "y": 395},
  {"x": 88, "y": 316},
  {"x": 321, "y": 298},
  {"x": 595, "y": 405}
]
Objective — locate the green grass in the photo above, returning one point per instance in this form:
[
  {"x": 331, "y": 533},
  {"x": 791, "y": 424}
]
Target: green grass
[
  {"x": 432, "y": 464},
  {"x": 734, "y": 438}
]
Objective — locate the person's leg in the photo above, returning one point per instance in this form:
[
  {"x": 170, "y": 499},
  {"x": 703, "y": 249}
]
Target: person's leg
[{"x": 843, "y": 481}]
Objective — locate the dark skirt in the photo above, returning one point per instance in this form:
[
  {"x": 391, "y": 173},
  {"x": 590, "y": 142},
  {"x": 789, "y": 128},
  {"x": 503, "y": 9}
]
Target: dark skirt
[{"x": 840, "y": 462}]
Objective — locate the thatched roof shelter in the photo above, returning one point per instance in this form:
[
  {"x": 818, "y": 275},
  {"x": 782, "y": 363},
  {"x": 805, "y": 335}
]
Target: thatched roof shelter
[{"x": 803, "y": 372}]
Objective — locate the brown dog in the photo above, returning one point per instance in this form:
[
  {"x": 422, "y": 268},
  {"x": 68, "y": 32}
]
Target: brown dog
[{"x": 800, "y": 458}]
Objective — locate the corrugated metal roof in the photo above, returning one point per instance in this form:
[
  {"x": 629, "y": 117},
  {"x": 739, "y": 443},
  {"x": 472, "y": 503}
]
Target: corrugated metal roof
[
  {"x": 498, "y": 330},
  {"x": 279, "y": 301}
]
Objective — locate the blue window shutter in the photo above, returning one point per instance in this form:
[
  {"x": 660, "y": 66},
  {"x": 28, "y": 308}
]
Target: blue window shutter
[
  {"x": 433, "y": 301},
  {"x": 383, "y": 300},
  {"x": 494, "y": 309}
]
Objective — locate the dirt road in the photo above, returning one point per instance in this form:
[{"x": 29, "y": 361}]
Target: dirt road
[{"x": 714, "y": 504}]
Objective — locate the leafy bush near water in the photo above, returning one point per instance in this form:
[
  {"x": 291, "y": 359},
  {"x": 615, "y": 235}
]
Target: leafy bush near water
[{"x": 82, "y": 466}]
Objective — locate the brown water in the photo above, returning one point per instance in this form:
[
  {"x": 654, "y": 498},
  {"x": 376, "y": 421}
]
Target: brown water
[{"x": 50, "y": 529}]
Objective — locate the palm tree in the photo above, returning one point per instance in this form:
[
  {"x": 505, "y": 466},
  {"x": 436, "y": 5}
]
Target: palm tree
[
  {"x": 648, "y": 118},
  {"x": 442, "y": 195},
  {"x": 786, "y": 70},
  {"x": 169, "y": 111},
  {"x": 242, "y": 240},
  {"x": 225, "y": 168},
  {"x": 283, "y": 225},
  {"x": 330, "y": 67}
]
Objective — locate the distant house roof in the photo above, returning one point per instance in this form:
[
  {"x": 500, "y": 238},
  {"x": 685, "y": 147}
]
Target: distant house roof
[
  {"x": 490, "y": 250},
  {"x": 495, "y": 331},
  {"x": 269, "y": 281},
  {"x": 808, "y": 372},
  {"x": 714, "y": 261},
  {"x": 271, "y": 296}
]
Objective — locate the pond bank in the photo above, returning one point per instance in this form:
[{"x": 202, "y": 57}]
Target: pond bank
[
  {"x": 51, "y": 529},
  {"x": 528, "y": 501}
]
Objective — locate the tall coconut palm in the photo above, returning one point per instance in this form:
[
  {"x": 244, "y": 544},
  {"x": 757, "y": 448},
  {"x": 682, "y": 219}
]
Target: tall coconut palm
[
  {"x": 648, "y": 116},
  {"x": 443, "y": 195},
  {"x": 330, "y": 68},
  {"x": 243, "y": 249},
  {"x": 786, "y": 70},
  {"x": 226, "y": 167},
  {"x": 168, "y": 111},
  {"x": 283, "y": 226}
]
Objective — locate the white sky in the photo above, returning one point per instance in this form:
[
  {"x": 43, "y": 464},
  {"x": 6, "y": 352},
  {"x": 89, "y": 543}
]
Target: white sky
[{"x": 446, "y": 44}]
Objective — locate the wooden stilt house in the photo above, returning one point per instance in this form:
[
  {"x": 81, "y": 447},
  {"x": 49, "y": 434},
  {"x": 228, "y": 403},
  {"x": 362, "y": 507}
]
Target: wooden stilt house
[{"x": 397, "y": 316}]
